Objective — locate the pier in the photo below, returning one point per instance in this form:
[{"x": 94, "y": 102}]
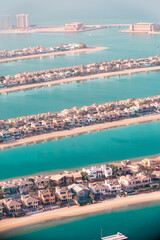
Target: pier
[{"x": 118, "y": 236}]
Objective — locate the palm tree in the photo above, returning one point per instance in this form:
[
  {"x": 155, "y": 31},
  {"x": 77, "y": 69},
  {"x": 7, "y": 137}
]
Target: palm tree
[
  {"x": 92, "y": 196},
  {"x": 76, "y": 199}
]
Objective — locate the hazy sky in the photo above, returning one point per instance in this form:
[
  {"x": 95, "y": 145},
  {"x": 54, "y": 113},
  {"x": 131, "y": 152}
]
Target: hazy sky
[{"x": 56, "y": 10}]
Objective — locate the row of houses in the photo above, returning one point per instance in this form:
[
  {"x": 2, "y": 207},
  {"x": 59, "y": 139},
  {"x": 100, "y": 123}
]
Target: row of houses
[
  {"x": 70, "y": 187},
  {"x": 74, "y": 71},
  {"x": 27, "y": 126},
  {"x": 39, "y": 50}
]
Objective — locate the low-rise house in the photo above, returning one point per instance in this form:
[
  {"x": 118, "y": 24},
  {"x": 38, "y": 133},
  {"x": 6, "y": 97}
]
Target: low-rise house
[
  {"x": 130, "y": 167},
  {"x": 64, "y": 194},
  {"x": 41, "y": 181},
  {"x": 1, "y": 209},
  {"x": 98, "y": 188},
  {"x": 24, "y": 184},
  {"x": 113, "y": 186},
  {"x": 128, "y": 182},
  {"x": 12, "y": 205},
  {"x": 29, "y": 201},
  {"x": 6, "y": 136},
  {"x": 46, "y": 197},
  {"x": 77, "y": 177},
  {"x": 9, "y": 187},
  {"x": 80, "y": 190},
  {"x": 96, "y": 172},
  {"x": 155, "y": 175},
  {"x": 151, "y": 163}
]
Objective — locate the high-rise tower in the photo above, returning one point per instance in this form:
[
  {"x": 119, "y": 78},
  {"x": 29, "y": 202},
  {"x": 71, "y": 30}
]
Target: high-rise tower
[{"x": 6, "y": 22}]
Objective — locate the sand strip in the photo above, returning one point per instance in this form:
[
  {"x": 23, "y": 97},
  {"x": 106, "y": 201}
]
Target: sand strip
[
  {"x": 75, "y": 211},
  {"x": 76, "y": 51},
  {"x": 77, "y": 79}
]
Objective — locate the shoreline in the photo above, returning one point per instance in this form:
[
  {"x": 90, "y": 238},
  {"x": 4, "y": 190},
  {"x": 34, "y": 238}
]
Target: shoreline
[
  {"x": 77, "y": 131},
  {"x": 78, "y": 79},
  {"x": 41, "y": 55},
  {"x": 76, "y": 211},
  {"x": 77, "y": 169}
]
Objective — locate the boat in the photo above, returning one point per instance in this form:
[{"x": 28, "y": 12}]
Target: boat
[{"x": 118, "y": 236}]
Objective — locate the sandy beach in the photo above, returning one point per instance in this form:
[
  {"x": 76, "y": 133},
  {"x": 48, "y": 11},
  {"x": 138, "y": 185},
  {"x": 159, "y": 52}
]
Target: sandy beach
[
  {"x": 76, "y": 51},
  {"x": 77, "y": 79},
  {"x": 75, "y": 211},
  {"x": 77, "y": 131}
]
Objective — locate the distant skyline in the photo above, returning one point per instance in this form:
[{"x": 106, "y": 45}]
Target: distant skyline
[{"x": 57, "y": 11}]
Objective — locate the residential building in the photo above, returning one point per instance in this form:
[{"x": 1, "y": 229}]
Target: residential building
[
  {"x": 151, "y": 163},
  {"x": 41, "y": 181},
  {"x": 1, "y": 209},
  {"x": 9, "y": 187},
  {"x": 155, "y": 175},
  {"x": 80, "y": 190},
  {"x": 12, "y": 205},
  {"x": 64, "y": 194},
  {"x": 29, "y": 201},
  {"x": 113, "y": 186},
  {"x": 96, "y": 172},
  {"x": 46, "y": 197},
  {"x": 98, "y": 188},
  {"x": 22, "y": 21},
  {"x": 128, "y": 182}
]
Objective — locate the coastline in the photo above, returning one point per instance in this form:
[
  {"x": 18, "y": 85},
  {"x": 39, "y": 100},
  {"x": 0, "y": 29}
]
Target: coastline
[
  {"x": 77, "y": 79},
  {"x": 75, "y": 51},
  {"x": 76, "y": 211},
  {"x": 76, "y": 131}
]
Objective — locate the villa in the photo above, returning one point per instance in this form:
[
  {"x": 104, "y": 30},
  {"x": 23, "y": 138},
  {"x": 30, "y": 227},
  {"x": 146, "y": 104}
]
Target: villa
[
  {"x": 129, "y": 182},
  {"x": 29, "y": 201},
  {"x": 12, "y": 205},
  {"x": 97, "y": 172},
  {"x": 46, "y": 197}
]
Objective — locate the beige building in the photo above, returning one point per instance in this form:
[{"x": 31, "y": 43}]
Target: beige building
[
  {"x": 64, "y": 194},
  {"x": 29, "y": 201},
  {"x": 74, "y": 26},
  {"x": 151, "y": 163},
  {"x": 12, "y": 205},
  {"x": 46, "y": 197},
  {"x": 144, "y": 27},
  {"x": 129, "y": 182},
  {"x": 1, "y": 209},
  {"x": 156, "y": 175}
]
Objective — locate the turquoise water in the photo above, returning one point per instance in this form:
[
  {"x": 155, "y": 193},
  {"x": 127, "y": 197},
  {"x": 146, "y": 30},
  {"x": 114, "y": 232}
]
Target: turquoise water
[
  {"x": 111, "y": 145},
  {"x": 139, "y": 224},
  {"x": 79, "y": 94}
]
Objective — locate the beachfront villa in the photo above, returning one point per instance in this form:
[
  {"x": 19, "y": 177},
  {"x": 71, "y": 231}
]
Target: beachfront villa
[
  {"x": 12, "y": 205},
  {"x": 129, "y": 183},
  {"x": 98, "y": 188},
  {"x": 64, "y": 194},
  {"x": 113, "y": 186},
  {"x": 46, "y": 197},
  {"x": 29, "y": 201},
  {"x": 80, "y": 190}
]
